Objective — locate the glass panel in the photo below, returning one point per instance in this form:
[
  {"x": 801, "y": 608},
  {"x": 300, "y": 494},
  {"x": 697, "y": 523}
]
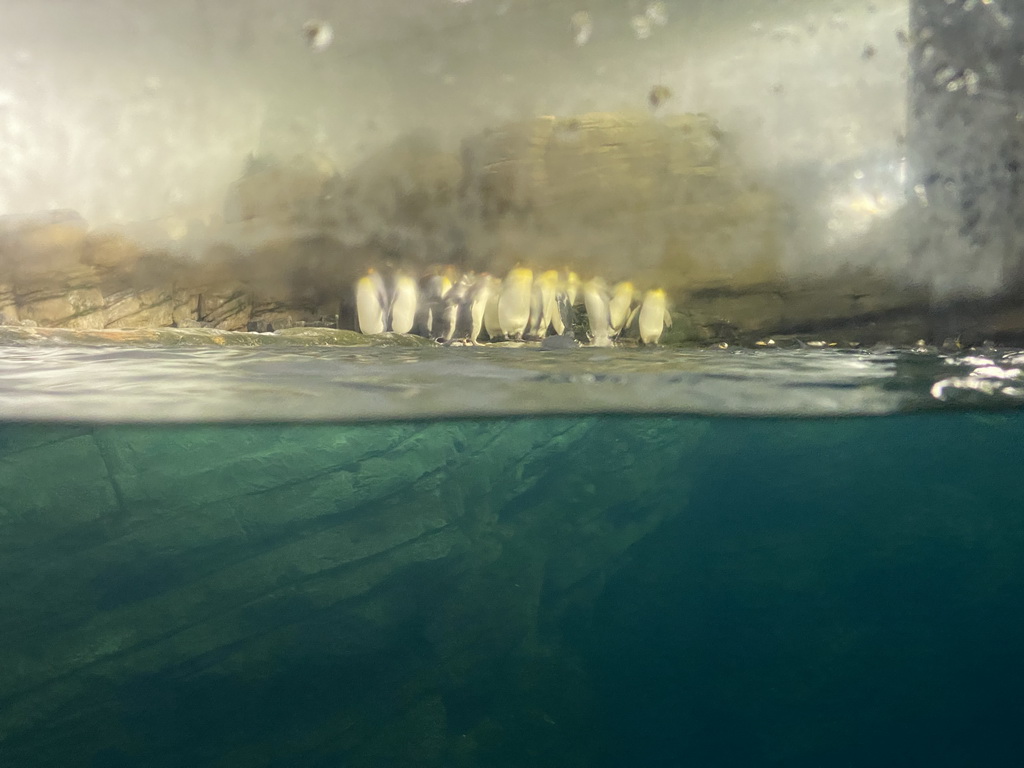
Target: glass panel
[{"x": 242, "y": 165}]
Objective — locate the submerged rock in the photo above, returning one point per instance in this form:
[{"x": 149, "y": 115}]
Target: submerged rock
[{"x": 189, "y": 557}]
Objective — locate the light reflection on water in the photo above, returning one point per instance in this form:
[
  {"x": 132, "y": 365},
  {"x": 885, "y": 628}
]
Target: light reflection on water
[{"x": 72, "y": 383}]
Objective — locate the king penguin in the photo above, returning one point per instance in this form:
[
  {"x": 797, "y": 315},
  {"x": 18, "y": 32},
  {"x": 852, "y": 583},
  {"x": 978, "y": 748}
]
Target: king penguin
[
  {"x": 595, "y": 299},
  {"x": 572, "y": 287},
  {"x": 403, "y": 304},
  {"x": 447, "y": 325},
  {"x": 514, "y": 302},
  {"x": 542, "y": 304},
  {"x": 371, "y": 302},
  {"x": 565, "y": 299},
  {"x": 620, "y": 304},
  {"x": 433, "y": 288},
  {"x": 491, "y": 324},
  {"x": 654, "y": 317},
  {"x": 479, "y": 299}
]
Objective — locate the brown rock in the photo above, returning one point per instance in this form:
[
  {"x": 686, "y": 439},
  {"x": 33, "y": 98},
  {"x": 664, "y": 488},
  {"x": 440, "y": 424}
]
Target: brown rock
[
  {"x": 228, "y": 312},
  {"x": 8, "y": 305},
  {"x": 44, "y": 257},
  {"x": 78, "y": 308},
  {"x": 142, "y": 309},
  {"x": 185, "y": 309},
  {"x": 110, "y": 252},
  {"x": 623, "y": 195}
]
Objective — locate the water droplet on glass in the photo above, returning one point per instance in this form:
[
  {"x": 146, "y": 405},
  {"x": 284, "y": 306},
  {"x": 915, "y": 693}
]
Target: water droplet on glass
[
  {"x": 945, "y": 75},
  {"x": 641, "y": 27},
  {"x": 318, "y": 34},
  {"x": 581, "y": 26},
  {"x": 657, "y": 13},
  {"x": 972, "y": 82}
]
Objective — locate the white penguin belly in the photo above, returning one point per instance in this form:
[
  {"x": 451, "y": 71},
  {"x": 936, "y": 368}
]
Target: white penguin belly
[
  {"x": 653, "y": 317},
  {"x": 597, "y": 314},
  {"x": 369, "y": 307},
  {"x": 514, "y": 303},
  {"x": 491, "y": 323},
  {"x": 403, "y": 308}
]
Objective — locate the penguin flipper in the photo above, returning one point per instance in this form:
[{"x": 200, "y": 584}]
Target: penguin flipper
[{"x": 668, "y": 319}]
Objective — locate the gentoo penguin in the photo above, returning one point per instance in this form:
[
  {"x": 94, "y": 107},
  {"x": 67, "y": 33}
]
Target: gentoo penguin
[
  {"x": 595, "y": 298},
  {"x": 619, "y": 306},
  {"x": 403, "y": 304},
  {"x": 654, "y": 316},
  {"x": 514, "y": 302},
  {"x": 371, "y": 303},
  {"x": 491, "y": 324}
]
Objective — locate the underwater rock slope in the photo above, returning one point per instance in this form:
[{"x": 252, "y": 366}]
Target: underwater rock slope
[{"x": 163, "y": 571}]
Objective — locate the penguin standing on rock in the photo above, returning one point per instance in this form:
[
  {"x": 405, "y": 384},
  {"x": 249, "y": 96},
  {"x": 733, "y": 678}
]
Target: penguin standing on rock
[
  {"x": 595, "y": 298},
  {"x": 619, "y": 305},
  {"x": 491, "y": 323},
  {"x": 542, "y": 304},
  {"x": 371, "y": 303},
  {"x": 433, "y": 289},
  {"x": 478, "y": 300},
  {"x": 654, "y": 317},
  {"x": 403, "y": 304},
  {"x": 514, "y": 302},
  {"x": 453, "y": 310}
]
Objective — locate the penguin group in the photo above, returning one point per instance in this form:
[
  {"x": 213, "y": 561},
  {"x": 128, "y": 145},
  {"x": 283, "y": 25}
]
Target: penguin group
[{"x": 455, "y": 308}]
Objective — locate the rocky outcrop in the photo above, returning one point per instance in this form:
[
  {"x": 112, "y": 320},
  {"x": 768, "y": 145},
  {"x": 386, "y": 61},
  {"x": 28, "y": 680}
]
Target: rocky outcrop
[
  {"x": 661, "y": 201},
  {"x": 623, "y": 195}
]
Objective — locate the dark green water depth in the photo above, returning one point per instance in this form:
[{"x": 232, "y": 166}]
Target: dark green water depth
[{"x": 588, "y": 591}]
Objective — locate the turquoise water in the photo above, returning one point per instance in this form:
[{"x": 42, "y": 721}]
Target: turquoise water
[{"x": 574, "y": 590}]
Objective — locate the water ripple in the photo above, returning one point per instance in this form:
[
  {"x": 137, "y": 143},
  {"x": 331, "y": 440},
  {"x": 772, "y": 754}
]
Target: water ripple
[{"x": 104, "y": 384}]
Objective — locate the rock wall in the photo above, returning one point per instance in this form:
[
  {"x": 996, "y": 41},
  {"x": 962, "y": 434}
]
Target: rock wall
[{"x": 659, "y": 201}]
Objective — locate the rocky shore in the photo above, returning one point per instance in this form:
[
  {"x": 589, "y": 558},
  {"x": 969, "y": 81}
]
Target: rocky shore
[{"x": 661, "y": 202}]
